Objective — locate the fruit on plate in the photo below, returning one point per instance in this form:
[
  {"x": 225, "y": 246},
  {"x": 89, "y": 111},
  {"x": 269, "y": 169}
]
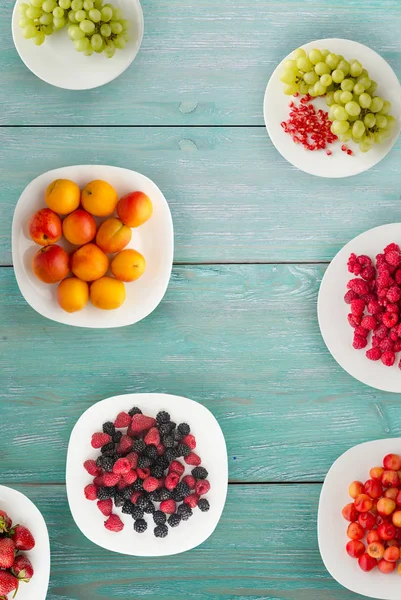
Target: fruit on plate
[
  {"x": 128, "y": 265},
  {"x": 45, "y": 227},
  {"x": 135, "y": 209},
  {"x": 63, "y": 196},
  {"x": 79, "y": 227},
  {"x": 15, "y": 567},
  {"x": 99, "y": 198},
  {"x": 107, "y": 293},
  {"x": 8, "y": 583},
  {"x": 113, "y": 235},
  {"x": 22, "y": 568},
  {"x": 51, "y": 264},
  {"x": 89, "y": 262},
  {"x": 72, "y": 294}
]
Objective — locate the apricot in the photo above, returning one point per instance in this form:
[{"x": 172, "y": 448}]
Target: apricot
[
  {"x": 376, "y": 472},
  {"x": 392, "y": 462},
  {"x": 135, "y": 209},
  {"x": 385, "y": 506},
  {"x": 99, "y": 198},
  {"x": 367, "y": 520},
  {"x": 386, "y": 531},
  {"x": 355, "y": 489},
  {"x": 385, "y": 566},
  {"x": 45, "y": 227},
  {"x": 355, "y": 531},
  {"x": 72, "y": 294},
  {"x": 107, "y": 293},
  {"x": 391, "y": 493},
  {"x": 63, "y": 196},
  {"x": 113, "y": 236},
  {"x": 373, "y": 488},
  {"x": 89, "y": 263},
  {"x": 363, "y": 503},
  {"x": 390, "y": 479},
  {"x": 128, "y": 265},
  {"x": 373, "y": 536},
  {"x": 376, "y": 550},
  {"x": 355, "y": 548},
  {"x": 51, "y": 264},
  {"x": 396, "y": 518},
  {"x": 349, "y": 512},
  {"x": 79, "y": 227},
  {"x": 392, "y": 554}
]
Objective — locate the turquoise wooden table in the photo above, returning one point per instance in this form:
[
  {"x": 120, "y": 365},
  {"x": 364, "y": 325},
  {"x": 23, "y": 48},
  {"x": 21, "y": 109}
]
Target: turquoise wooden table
[{"x": 237, "y": 329}]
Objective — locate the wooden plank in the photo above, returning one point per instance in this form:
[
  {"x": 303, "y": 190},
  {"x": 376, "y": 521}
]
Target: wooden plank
[
  {"x": 243, "y": 340},
  {"x": 263, "y": 548},
  {"x": 233, "y": 199},
  {"x": 201, "y": 62}
]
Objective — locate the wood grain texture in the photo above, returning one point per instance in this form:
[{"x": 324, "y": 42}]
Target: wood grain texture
[
  {"x": 263, "y": 548},
  {"x": 233, "y": 199},
  {"x": 201, "y": 62},
  {"x": 243, "y": 340}
]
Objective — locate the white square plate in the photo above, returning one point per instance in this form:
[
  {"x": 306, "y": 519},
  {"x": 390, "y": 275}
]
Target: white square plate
[
  {"x": 154, "y": 239},
  {"x": 210, "y": 445},
  {"x": 353, "y": 465},
  {"x": 22, "y": 511}
]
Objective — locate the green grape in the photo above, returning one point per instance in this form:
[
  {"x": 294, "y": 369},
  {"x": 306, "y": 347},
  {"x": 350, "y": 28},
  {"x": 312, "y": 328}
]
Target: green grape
[
  {"x": 365, "y": 100},
  {"x": 330, "y": 99},
  {"x": 117, "y": 28},
  {"x": 46, "y": 19},
  {"x": 75, "y": 33},
  {"x": 339, "y": 127},
  {"x": 337, "y": 96},
  {"x": 377, "y": 104},
  {"x": 299, "y": 53},
  {"x": 369, "y": 120},
  {"x": 326, "y": 80},
  {"x": 95, "y": 15},
  {"x": 386, "y": 108},
  {"x": 290, "y": 89},
  {"x": 119, "y": 42},
  {"x": 98, "y": 4},
  {"x": 37, "y": 3},
  {"x": 77, "y": 5},
  {"x": 337, "y": 75},
  {"x": 58, "y": 13},
  {"x": 358, "y": 129},
  {"x": 322, "y": 69},
  {"x": 125, "y": 36},
  {"x": 355, "y": 68},
  {"x": 39, "y": 38},
  {"x": 48, "y": 29},
  {"x": 344, "y": 66},
  {"x": 107, "y": 13},
  {"x": 332, "y": 60},
  {"x": 331, "y": 111},
  {"x": 286, "y": 76},
  {"x": 82, "y": 45},
  {"x": 64, "y": 4},
  {"x": 325, "y": 52},
  {"x": 49, "y": 5},
  {"x": 105, "y": 30},
  {"x": 58, "y": 23},
  {"x": 33, "y": 13},
  {"x": 390, "y": 120},
  {"x": 29, "y": 31},
  {"x": 71, "y": 16},
  {"x": 347, "y": 85},
  {"x": 352, "y": 118},
  {"x": 358, "y": 89},
  {"x": 89, "y": 51},
  {"x": 340, "y": 114},
  {"x": 365, "y": 81},
  {"x": 22, "y": 8},
  {"x": 290, "y": 65},
  {"x": 80, "y": 15},
  {"x": 379, "y": 137},
  {"x": 117, "y": 14},
  {"x": 97, "y": 42},
  {"x": 311, "y": 77},
  {"x": 346, "y": 97},
  {"x": 23, "y": 22},
  {"x": 88, "y": 5},
  {"x": 381, "y": 121},
  {"x": 315, "y": 56},
  {"x": 373, "y": 88},
  {"x": 365, "y": 146},
  {"x": 109, "y": 52},
  {"x": 126, "y": 25},
  {"x": 303, "y": 87},
  {"x": 352, "y": 108},
  {"x": 318, "y": 87},
  {"x": 346, "y": 137},
  {"x": 311, "y": 91},
  {"x": 87, "y": 26},
  {"x": 304, "y": 64}
]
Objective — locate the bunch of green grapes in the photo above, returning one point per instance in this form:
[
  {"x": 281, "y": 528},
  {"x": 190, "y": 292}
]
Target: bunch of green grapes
[
  {"x": 95, "y": 27},
  {"x": 40, "y": 18},
  {"x": 356, "y": 113}
]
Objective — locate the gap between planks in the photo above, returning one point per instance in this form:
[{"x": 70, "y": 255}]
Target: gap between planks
[
  {"x": 247, "y": 483},
  {"x": 234, "y": 262}
]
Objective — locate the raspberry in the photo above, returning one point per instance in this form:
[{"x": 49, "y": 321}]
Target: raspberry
[
  {"x": 351, "y": 262},
  {"x": 348, "y": 298},
  {"x": 161, "y": 483},
  {"x": 143, "y": 473},
  {"x": 382, "y": 292},
  {"x": 91, "y": 467},
  {"x": 397, "y": 346},
  {"x": 374, "y": 307},
  {"x": 192, "y": 500},
  {"x": 391, "y": 247},
  {"x": 357, "y": 307},
  {"x": 193, "y": 459},
  {"x": 368, "y": 273},
  {"x": 374, "y": 354},
  {"x": 105, "y": 506},
  {"x": 397, "y": 276},
  {"x": 369, "y": 322},
  {"x": 369, "y": 297},
  {"x": 114, "y": 523},
  {"x": 133, "y": 459},
  {"x": 361, "y": 331},
  {"x": 392, "y": 307},
  {"x": 393, "y": 258},
  {"x": 375, "y": 341},
  {"x": 111, "y": 479},
  {"x": 202, "y": 487},
  {"x": 359, "y": 286},
  {"x": 168, "y": 506},
  {"x": 359, "y": 342},
  {"x": 98, "y": 481},
  {"x": 176, "y": 467},
  {"x": 152, "y": 437},
  {"x": 190, "y": 481},
  {"x": 386, "y": 345},
  {"x": 160, "y": 449},
  {"x": 393, "y": 334},
  {"x": 171, "y": 481},
  {"x": 353, "y": 320},
  {"x": 390, "y": 319},
  {"x": 150, "y": 484},
  {"x": 90, "y": 492},
  {"x": 388, "y": 358},
  {"x": 141, "y": 424},
  {"x": 125, "y": 444},
  {"x": 130, "y": 477},
  {"x": 381, "y": 331},
  {"x": 190, "y": 440},
  {"x": 121, "y": 466},
  {"x": 383, "y": 280},
  {"x": 134, "y": 497},
  {"x": 394, "y": 294},
  {"x": 122, "y": 484},
  {"x": 123, "y": 420},
  {"x": 100, "y": 439}
]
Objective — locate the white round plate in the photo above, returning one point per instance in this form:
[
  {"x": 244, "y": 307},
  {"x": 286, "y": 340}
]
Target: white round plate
[
  {"x": 353, "y": 465},
  {"x": 22, "y": 511},
  {"x": 210, "y": 445},
  {"x": 58, "y": 63},
  {"x": 333, "y": 311},
  {"x": 154, "y": 239},
  {"x": 339, "y": 164}
]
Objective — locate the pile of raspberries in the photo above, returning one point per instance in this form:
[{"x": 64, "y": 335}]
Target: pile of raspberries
[
  {"x": 374, "y": 297},
  {"x": 138, "y": 471}
]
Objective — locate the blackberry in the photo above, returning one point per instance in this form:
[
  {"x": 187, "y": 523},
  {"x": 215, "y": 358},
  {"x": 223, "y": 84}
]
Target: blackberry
[
  {"x": 119, "y": 499},
  {"x": 137, "y": 512},
  {"x": 144, "y": 462},
  {"x": 177, "y": 496},
  {"x": 164, "y": 494},
  {"x": 168, "y": 441},
  {"x": 162, "y": 417},
  {"x": 112, "y": 454},
  {"x": 113, "y": 491},
  {"x": 159, "y": 517},
  {"x": 107, "y": 447},
  {"x": 109, "y": 428},
  {"x": 137, "y": 486},
  {"x": 170, "y": 454},
  {"x": 117, "y": 437},
  {"x": 140, "y": 525},
  {"x": 163, "y": 462},
  {"x": 105, "y": 462},
  {"x": 128, "y": 507},
  {"x": 177, "y": 436},
  {"x": 161, "y": 531},
  {"x": 134, "y": 411},
  {"x": 183, "y": 489},
  {"x": 164, "y": 429},
  {"x": 174, "y": 520},
  {"x": 138, "y": 446},
  {"x": 151, "y": 452},
  {"x": 154, "y": 496},
  {"x": 183, "y": 450},
  {"x": 142, "y": 502},
  {"x": 184, "y": 429},
  {"x": 104, "y": 493},
  {"x": 184, "y": 511},
  {"x": 149, "y": 508},
  {"x": 199, "y": 473},
  {"x": 127, "y": 492},
  {"x": 203, "y": 504},
  {"x": 172, "y": 426},
  {"x": 157, "y": 471}
]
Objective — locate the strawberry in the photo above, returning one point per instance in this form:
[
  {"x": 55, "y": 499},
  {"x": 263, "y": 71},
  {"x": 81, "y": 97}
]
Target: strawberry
[
  {"x": 135, "y": 497},
  {"x": 150, "y": 484},
  {"x": 190, "y": 481},
  {"x": 202, "y": 487},
  {"x": 123, "y": 420},
  {"x": 91, "y": 467},
  {"x": 98, "y": 481},
  {"x": 100, "y": 439},
  {"x": 171, "y": 481},
  {"x": 90, "y": 492},
  {"x": 160, "y": 449},
  {"x": 168, "y": 507},
  {"x": 176, "y": 467},
  {"x": 22, "y": 538},
  {"x": 114, "y": 523},
  {"x": 105, "y": 506},
  {"x": 141, "y": 424},
  {"x": 121, "y": 466},
  {"x": 190, "y": 441},
  {"x": 143, "y": 473},
  {"x": 7, "y": 553},
  {"x": 152, "y": 437},
  {"x": 125, "y": 444},
  {"x": 8, "y": 583},
  {"x": 22, "y": 568},
  {"x": 133, "y": 459},
  {"x": 193, "y": 459},
  {"x": 192, "y": 500},
  {"x": 5, "y": 521},
  {"x": 111, "y": 479},
  {"x": 130, "y": 477}
]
